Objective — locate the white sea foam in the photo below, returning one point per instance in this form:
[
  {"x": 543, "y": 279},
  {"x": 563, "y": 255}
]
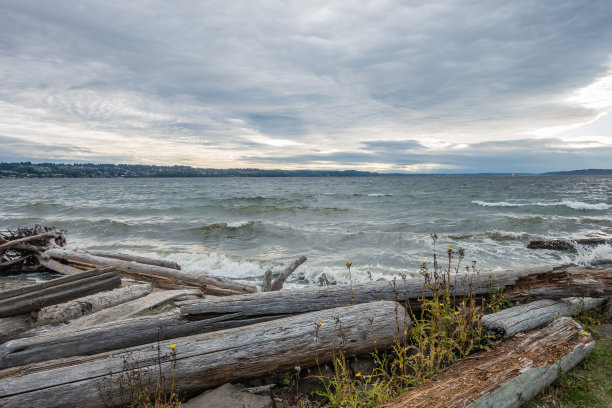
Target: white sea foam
[
  {"x": 238, "y": 224},
  {"x": 379, "y": 195},
  {"x": 498, "y": 204},
  {"x": 576, "y": 205},
  {"x": 587, "y": 255}
]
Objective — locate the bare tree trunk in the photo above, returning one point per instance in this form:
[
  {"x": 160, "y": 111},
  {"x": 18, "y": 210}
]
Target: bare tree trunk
[
  {"x": 510, "y": 321},
  {"x": 135, "y": 258},
  {"x": 110, "y": 336},
  {"x": 125, "y": 310},
  {"x": 206, "y": 360},
  {"x": 60, "y": 290},
  {"x": 149, "y": 272},
  {"x": 543, "y": 282},
  {"x": 280, "y": 281}
]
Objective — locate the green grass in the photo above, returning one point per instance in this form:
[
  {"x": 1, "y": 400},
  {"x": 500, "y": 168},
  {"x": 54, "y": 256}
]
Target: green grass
[{"x": 589, "y": 384}]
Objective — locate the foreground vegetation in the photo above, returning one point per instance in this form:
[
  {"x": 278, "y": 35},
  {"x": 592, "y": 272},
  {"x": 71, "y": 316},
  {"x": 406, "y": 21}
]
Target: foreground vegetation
[{"x": 445, "y": 330}]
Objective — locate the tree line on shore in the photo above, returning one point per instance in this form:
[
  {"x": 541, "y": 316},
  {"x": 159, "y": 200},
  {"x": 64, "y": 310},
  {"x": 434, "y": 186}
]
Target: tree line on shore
[{"x": 91, "y": 170}]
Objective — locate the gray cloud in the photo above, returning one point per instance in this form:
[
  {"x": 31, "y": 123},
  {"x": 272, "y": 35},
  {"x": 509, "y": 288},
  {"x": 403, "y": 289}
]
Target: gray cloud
[
  {"x": 334, "y": 77},
  {"x": 528, "y": 155}
]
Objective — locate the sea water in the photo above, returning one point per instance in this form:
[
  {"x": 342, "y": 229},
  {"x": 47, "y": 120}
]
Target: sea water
[{"x": 240, "y": 227}]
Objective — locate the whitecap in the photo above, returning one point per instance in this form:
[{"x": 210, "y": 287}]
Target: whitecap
[{"x": 498, "y": 204}]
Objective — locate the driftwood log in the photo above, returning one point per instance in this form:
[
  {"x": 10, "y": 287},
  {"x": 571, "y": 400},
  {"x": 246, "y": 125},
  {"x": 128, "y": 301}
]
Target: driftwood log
[
  {"x": 206, "y": 360},
  {"x": 547, "y": 282},
  {"x": 153, "y": 272},
  {"x": 22, "y": 325},
  {"x": 507, "y": 376},
  {"x": 57, "y": 266},
  {"x": 280, "y": 280},
  {"x": 135, "y": 258},
  {"x": 127, "y": 309},
  {"x": 31, "y": 298},
  {"x": 91, "y": 304},
  {"x": 18, "y": 247},
  {"x": 111, "y": 336},
  {"x": 568, "y": 244},
  {"x": 508, "y": 322}
]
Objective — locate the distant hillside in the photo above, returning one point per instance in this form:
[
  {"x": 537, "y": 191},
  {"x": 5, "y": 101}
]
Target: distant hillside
[
  {"x": 586, "y": 172},
  {"x": 90, "y": 170}
]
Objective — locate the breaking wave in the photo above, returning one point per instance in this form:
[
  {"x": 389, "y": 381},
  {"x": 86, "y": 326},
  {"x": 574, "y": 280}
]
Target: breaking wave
[{"x": 576, "y": 205}]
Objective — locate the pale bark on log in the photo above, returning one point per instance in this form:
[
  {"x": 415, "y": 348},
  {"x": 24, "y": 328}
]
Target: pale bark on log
[
  {"x": 206, "y": 360},
  {"x": 280, "y": 280},
  {"x": 151, "y": 271},
  {"x": 267, "y": 282},
  {"x": 507, "y": 376},
  {"x": 58, "y": 267},
  {"x": 125, "y": 310},
  {"x": 23, "y": 325},
  {"x": 545, "y": 282},
  {"x": 111, "y": 336},
  {"x": 508, "y": 322},
  {"x": 136, "y": 258},
  {"x": 91, "y": 304},
  {"x": 5, "y": 294},
  {"x": 38, "y": 299}
]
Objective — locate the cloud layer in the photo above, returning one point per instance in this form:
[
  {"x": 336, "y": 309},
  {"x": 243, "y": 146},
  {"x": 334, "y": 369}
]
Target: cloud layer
[{"x": 448, "y": 86}]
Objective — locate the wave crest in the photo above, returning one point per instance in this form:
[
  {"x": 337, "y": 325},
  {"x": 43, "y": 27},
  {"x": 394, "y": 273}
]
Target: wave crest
[{"x": 576, "y": 205}]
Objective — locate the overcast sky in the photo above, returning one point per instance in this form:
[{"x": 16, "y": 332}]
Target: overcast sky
[{"x": 402, "y": 86}]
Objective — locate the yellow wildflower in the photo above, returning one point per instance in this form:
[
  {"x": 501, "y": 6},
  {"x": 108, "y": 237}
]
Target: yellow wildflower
[
  {"x": 585, "y": 333},
  {"x": 358, "y": 374},
  {"x": 422, "y": 262},
  {"x": 320, "y": 323},
  {"x": 173, "y": 346},
  {"x": 456, "y": 313},
  {"x": 348, "y": 264}
]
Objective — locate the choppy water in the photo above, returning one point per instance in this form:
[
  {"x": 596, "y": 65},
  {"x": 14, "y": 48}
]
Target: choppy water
[{"x": 239, "y": 227}]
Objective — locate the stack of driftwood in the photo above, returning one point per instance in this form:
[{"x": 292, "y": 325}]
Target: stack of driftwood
[{"x": 64, "y": 340}]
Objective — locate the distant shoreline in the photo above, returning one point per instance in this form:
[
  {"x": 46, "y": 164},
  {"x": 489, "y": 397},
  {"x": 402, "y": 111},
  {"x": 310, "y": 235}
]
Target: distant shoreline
[{"x": 24, "y": 170}]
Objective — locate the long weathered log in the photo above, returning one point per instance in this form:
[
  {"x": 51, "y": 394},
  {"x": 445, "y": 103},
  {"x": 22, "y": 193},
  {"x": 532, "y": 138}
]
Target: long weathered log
[
  {"x": 547, "y": 282},
  {"x": 111, "y": 336},
  {"x": 206, "y": 360},
  {"x": 508, "y": 322},
  {"x": 91, "y": 304},
  {"x": 572, "y": 282},
  {"x": 150, "y": 271},
  {"x": 507, "y": 376},
  {"x": 35, "y": 300},
  {"x": 568, "y": 244},
  {"x": 23, "y": 325},
  {"x": 280, "y": 280},
  {"x": 125, "y": 310},
  {"x": 136, "y": 258},
  {"x": 5, "y": 294},
  {"x": 58, "y": 267}
]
